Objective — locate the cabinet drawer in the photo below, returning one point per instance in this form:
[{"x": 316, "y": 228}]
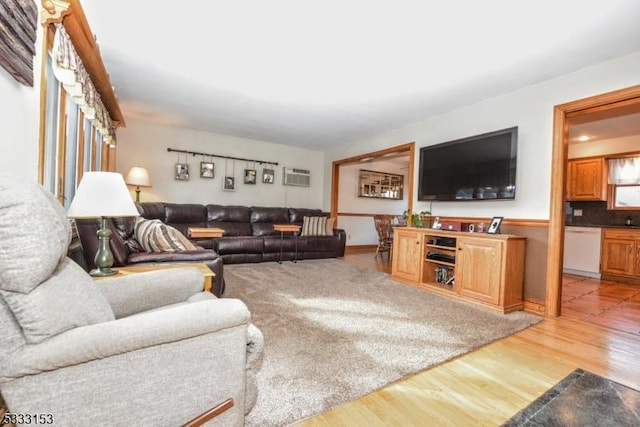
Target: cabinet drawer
[{"x": 619, "y": 233}]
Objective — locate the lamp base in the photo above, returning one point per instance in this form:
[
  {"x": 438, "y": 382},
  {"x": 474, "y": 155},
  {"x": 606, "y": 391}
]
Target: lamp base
[{"x": 103, "y": 272}]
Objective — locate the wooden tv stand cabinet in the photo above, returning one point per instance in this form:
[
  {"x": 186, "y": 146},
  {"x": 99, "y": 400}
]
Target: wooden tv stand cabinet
[{"x": 486, "y": 269}]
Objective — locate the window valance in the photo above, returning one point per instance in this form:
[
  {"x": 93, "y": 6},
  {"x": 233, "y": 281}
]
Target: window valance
[
  {"x": 624, "y": 171},
  {"x": 69, "y": 70},
  {"x": 18, "y": 20}
]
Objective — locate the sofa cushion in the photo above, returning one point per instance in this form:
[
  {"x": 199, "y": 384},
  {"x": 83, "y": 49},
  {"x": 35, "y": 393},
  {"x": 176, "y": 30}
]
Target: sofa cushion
[
  {"x": 262, "y": 220},
  {"x": 234, "y": 220},
  {"x": 46, "y": 292},
  {"x": 270, "y": 215},
  {"x": 66, "y": 300},
  {"x": 151, "y": 210},
  {"x": 315, "y": 226},
  {"x": 296, "y": 215},
  {"x": 32, "y": 245},
  {"x": 185, "y": 213},
  {"x": 240, "y": 245},
  {"x": 228, "y": 213},
  {"x": 156, "y": 236},
  {"x": 125, "y": 228},
  {"x": 232, "y": 229}
]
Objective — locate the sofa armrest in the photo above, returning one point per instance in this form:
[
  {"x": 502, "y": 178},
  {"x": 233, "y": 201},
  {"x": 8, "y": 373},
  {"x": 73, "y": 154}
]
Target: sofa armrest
[
  {"x": 136, "y": 293},
  {"x": 179, "y": 256},
  {"x": 209, "y": 257},
  {"x": 103, "y": 340}
]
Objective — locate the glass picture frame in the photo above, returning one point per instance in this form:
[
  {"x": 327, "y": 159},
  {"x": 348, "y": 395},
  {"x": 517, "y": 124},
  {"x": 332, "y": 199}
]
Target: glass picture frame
[
  {"x": 206, "y": 170},
  {"x": 250, "y": 176},
  {"x": 229, "y": 183},
  {"x": 268, "y": 176},
  {"x": 494, "y": 226},
  {"x": 181, "y": 172}
]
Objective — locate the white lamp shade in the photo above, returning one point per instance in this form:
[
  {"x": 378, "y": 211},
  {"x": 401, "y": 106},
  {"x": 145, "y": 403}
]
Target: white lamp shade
[
  {"x": 102, "y": 194},
  {"x": 138, "y": 176}
]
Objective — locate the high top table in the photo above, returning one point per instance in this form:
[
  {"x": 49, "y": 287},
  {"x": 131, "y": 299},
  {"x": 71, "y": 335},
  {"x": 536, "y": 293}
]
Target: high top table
[{"x": 287, "y": 228}]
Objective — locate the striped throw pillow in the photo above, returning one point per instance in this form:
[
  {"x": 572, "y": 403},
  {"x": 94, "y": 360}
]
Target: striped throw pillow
[
  {"x": 156, "y": 236},
  {"x": 314, "y": 226}
]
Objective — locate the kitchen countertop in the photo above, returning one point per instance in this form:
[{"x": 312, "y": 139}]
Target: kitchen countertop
[{"x": 631, "y": 227}]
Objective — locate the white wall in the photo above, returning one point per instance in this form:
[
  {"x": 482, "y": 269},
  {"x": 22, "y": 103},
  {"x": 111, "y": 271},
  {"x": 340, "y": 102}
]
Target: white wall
[
  {"x": 361, "y": 230},
  {"x": 20, "y": 120},
  {"x": 531, "y": 109},
  {"x": 142, "y": 144},
  {"x": 627, "y": 144}
]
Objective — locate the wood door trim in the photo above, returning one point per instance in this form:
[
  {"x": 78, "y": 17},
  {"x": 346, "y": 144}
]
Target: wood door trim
[
  {"x": 410, "y": 148},
  {"x": 561, "y": 115}
]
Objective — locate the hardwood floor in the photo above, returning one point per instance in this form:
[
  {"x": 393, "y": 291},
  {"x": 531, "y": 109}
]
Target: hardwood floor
[
  {"x": 612, "y": 304},
  {"x": 488, "y": 386}
]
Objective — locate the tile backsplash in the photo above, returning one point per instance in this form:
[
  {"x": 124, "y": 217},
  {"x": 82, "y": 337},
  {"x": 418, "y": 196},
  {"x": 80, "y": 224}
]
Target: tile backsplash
[{"x": 596, "y": 213}]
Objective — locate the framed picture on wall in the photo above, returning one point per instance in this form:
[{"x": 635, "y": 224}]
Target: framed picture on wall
[
  {"x": 181, "y": 171},
  {"x": 250, "y": 176},
  {"x": 229, "y": 183},
  {"x": 268, "y": 176},
  {"x": 206, "y": 170},
  {"x": 494, "y": 227}
]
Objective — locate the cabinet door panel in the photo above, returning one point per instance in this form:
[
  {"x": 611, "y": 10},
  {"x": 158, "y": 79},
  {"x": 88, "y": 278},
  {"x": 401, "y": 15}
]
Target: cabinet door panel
[
  {"x": 479, "y": 269},
  {"x": 407, "y": 254},
  {"x": 618, "y": 256},
  {"x": 586, "y": 179}
]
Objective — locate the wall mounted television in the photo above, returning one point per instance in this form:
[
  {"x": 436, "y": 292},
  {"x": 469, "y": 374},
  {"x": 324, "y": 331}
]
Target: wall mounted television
[{"x": 480, "y": 167}]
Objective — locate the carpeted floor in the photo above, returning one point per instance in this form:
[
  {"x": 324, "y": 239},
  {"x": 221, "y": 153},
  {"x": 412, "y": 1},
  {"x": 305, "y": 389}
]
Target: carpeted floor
[
  {"x": 335, "y": 331},
  {"x": 582, "y": 399}
]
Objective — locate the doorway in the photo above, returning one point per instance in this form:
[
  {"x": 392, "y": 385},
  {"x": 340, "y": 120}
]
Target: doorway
[
  {"x": 604, "y": 105},
  {"x": 405, "y": 150}
]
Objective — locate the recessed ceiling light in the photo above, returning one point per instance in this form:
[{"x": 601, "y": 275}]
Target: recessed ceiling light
[{"x": 584, "y": 138}]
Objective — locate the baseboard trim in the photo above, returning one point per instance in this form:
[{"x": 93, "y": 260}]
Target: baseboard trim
[
  {"x": 356, "y": 248},
  {"x": 613, "y": 278},
  {"x": 535, "y": 307}
]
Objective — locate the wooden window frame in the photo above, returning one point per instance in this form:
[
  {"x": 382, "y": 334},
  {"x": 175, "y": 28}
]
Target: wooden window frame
[{"x": 72, "y": 17}]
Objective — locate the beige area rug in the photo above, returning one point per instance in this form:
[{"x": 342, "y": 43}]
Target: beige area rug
[{"x": 335, "y": 331}]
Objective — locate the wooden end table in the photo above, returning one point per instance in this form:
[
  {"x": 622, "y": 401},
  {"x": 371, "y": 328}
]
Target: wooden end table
[
  {"x": 287, "y": 228},
  {"x": 142, "y": 268},
  {"x": 203, "y": 232}
]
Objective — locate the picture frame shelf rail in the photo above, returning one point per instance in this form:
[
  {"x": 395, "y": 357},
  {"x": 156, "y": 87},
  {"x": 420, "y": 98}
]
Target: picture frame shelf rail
[{"x": 196, "y": 153}]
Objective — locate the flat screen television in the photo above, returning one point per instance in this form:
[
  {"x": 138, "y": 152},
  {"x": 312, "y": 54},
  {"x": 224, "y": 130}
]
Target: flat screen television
[{"x": 481, "y": 167}]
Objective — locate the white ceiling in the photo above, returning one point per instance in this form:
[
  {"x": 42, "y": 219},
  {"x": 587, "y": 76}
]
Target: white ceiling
[
  {"x": 323, "y": 73},
  {"x": 604, "y": 129}
]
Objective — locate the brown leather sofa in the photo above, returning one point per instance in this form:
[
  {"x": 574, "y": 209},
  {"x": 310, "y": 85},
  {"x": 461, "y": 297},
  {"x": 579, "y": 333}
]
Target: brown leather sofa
[
  {"x": 126, "y": 250},
  {"x": 248, "y": 236},
  {"x": 248, "y": 231}
]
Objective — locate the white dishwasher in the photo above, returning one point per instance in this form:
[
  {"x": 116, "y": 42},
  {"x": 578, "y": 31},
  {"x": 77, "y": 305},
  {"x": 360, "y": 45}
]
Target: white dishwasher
[{"x": 582, "y": 251}]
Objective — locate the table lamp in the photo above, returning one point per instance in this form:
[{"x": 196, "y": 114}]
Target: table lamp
[
  {"x": 102, "y": 195},
  {"x": 139, "y": 177}
]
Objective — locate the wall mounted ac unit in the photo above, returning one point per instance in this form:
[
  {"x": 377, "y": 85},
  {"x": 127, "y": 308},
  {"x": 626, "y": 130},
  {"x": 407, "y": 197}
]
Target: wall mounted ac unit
[{"x": 296, "y": 177}]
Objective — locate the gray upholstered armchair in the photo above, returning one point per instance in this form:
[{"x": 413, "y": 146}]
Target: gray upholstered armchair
[{"x": 146, "y": 349}]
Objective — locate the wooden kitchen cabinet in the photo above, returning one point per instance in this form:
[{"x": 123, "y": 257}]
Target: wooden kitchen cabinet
[
  {"x": 587, "y": 179},
  {"x": 621, "y": 255},
  {"x": 486, "y": 269}
]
